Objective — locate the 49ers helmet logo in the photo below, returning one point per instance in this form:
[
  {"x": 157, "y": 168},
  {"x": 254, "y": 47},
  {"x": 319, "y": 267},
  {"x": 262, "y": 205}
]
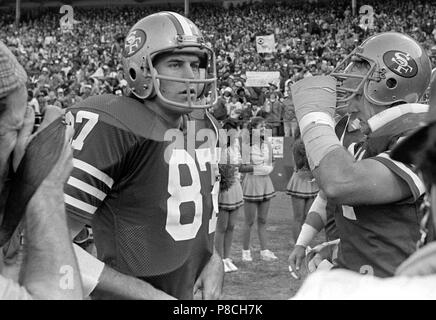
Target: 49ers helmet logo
[
  {"x": 400, "y": 63},
  {"x": 134, "y": 42}
]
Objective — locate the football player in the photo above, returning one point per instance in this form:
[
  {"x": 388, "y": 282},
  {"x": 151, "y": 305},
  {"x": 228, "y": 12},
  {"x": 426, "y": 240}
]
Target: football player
[
  {"x": 379, "y": 83},
  {"x": 414, "y": 278},
  {"x": 145, "y": 171}
]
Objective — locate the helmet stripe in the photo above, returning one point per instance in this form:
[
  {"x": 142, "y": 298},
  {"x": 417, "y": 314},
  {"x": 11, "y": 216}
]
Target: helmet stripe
[
  {"x": 176, "y": 23},
  {"x": 182, "y": 20}
]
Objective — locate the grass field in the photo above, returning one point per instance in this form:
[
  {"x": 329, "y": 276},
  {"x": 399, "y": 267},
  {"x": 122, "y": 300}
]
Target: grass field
[{"x": 261, "y": 280}]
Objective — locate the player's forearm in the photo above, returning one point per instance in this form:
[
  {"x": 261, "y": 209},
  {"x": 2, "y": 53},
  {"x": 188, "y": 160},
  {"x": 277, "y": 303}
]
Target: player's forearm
[
  {"x": 313, "y": 219},
  {"x": 50, "y": 268},
  {"x": 116, "y": 285}
]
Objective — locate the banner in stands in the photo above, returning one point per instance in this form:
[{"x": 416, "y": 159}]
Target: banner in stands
[
  {"x": 277, "y": 146},
  {"x": 262, "y": 78},
  {"x": 265, "y": 44}
]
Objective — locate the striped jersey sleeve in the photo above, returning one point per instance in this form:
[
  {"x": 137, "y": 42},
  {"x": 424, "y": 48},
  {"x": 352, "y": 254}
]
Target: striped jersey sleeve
[
  {"x": 98, "y": 162},
  {"x": 405, "y": 172}
]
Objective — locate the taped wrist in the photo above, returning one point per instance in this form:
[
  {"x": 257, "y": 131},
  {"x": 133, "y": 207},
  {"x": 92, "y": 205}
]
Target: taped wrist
[
  {"x": 312, "y": 94},
  {"x": 90, "y": 269},
  {"x": 319, "y": 137},
  {"x": 306, "y": 235}
]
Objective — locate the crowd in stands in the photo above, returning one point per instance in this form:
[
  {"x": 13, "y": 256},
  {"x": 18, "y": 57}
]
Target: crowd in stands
[{"x": 66, "y": 67}]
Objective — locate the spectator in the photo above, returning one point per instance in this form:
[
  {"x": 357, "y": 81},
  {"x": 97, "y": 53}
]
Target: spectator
[
  {"x": 275, "y": 111},
  {"x": 289, "y": 119},
  {"x": 35, "y": 191},
  {"x": 220, "y": 109}
]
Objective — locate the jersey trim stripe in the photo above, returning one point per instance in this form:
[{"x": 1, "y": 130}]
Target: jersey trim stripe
[
  {"x": 100, "y": 175},
  {"x": 415, "y": 179},
  {"x": 83, "y": 186},
  {"x": 79, "y": 204}
]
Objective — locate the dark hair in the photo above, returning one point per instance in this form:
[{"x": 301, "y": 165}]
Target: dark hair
[
  {"x": 299, "y": 152},
  {"x": 254, "y": 122}
]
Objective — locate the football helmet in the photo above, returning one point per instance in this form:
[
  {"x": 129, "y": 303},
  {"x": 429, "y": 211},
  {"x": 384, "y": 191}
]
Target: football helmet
[
  {"x": 165, "y": 32},
  {"x": 398, "y": 71}
]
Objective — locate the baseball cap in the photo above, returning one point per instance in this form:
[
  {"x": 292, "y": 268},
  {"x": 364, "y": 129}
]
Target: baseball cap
[
  {"x": 12, "y": 74},
  {"x": 407, "y": 150}
]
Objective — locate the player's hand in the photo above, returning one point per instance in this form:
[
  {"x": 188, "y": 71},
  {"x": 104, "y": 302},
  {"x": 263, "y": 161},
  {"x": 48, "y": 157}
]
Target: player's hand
[
  {"x": 324, "y": 251},
  {"x": 314, "y": 94},
  {"x": 295, "y": 260},
  {"x": 63, "y": 167},
  {"x": 314, "y": 262},
  {"x": 211, "y": 279}
]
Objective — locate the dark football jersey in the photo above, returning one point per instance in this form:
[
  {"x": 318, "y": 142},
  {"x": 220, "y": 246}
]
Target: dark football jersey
[
  {"x": 149, "y": 193},
  {"x": 376, "y": 239}
]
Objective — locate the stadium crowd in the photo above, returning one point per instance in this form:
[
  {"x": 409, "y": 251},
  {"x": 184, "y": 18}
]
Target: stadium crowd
[{"x": 66, "y": 67}]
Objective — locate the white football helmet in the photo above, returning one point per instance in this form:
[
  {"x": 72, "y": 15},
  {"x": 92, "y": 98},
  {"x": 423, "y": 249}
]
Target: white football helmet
[{"x": 165, "y": 32}]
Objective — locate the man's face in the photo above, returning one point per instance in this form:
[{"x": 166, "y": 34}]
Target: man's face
[
  {"x": 179, "y": 66},
  {"x": 12, "y": 110},
  {"x": 359, "y": 107}
]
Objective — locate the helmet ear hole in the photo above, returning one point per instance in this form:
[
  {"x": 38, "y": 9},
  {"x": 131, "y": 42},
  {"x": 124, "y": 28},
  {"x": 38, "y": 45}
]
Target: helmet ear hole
[
  {"x": 132, "y": 74},
  {"x": 391, "y": 83}
]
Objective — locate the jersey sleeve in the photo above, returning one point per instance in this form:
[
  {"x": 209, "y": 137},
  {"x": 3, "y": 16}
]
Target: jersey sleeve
[
  {"x": 99, "y": 151},
  {"x": 405, "y": 172}
]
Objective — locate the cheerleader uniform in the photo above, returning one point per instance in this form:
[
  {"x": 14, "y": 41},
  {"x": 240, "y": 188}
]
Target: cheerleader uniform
[
  {"x": 232, "y": 199},
  {"x": 257, "y": 185},
  {"x": 302, "y": 184}
]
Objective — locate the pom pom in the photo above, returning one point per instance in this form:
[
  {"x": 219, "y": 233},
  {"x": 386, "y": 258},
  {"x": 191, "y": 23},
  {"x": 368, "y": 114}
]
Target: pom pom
[{"x": 227, "y": 172}]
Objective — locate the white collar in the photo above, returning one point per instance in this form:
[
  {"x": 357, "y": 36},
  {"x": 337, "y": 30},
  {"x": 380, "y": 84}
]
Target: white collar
[{"x": 380, "y": 119}]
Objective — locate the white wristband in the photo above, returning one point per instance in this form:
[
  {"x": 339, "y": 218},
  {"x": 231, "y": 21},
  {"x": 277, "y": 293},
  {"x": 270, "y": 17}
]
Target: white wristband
[
  {"x": 90, "y": 269},
  {"x": 306, "y": 235},
  {"x": 316, "y": 118}
]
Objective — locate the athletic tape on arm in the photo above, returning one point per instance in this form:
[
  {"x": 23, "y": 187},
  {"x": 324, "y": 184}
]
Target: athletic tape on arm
[{"x": 319, "y": 137}]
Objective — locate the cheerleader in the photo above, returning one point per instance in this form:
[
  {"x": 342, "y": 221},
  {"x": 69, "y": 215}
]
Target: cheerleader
[
  {"x": 302, "y": 186},
  {"x": 230, "y": 199},
  {"x": 258, "y": 190}
]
